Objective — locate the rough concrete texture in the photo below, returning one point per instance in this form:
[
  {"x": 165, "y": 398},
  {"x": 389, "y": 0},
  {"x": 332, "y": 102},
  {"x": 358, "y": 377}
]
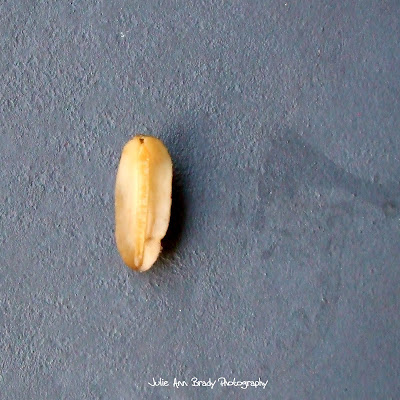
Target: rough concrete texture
[{"x": 282, "y": 260}]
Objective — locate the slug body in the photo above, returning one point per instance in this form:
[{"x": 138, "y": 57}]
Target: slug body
[{"x": 143, "y": 193}]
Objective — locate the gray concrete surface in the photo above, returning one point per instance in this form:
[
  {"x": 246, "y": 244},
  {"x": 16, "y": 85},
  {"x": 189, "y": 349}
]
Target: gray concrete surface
[{"x": 282, "y": 260}]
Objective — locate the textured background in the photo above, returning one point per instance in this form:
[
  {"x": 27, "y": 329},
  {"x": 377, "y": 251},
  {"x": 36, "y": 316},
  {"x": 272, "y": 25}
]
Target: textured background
[{"x": 282, "y": 259}]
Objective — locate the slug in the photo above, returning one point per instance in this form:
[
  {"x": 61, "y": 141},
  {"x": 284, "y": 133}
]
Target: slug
[{"x": 143, "y": 197}]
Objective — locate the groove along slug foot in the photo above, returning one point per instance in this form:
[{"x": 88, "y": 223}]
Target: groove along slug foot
[{"x": 143, "y": 192}]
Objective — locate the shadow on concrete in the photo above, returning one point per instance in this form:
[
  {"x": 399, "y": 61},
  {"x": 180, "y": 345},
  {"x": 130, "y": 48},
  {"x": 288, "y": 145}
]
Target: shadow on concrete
[
  {"x": 186, "y": 141},
  {"x": 291, "y": 162}
]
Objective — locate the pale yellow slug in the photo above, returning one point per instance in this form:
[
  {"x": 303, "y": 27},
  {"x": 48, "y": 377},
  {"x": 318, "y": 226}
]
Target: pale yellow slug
[{"x": 143, "y": 192}]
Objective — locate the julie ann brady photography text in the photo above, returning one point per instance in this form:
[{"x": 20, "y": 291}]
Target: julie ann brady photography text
[{"x": 209, "y": 383}]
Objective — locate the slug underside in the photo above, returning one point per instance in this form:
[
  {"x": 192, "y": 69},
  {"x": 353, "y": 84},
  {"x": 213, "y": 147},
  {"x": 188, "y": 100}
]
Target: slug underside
[{"x": 142, "y": 201}]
